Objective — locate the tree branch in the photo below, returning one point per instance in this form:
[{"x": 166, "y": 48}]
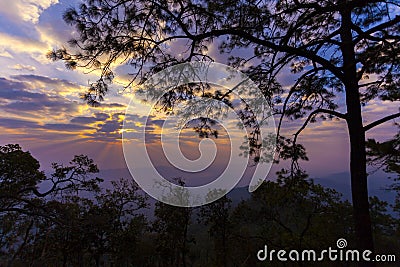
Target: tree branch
[
  {"x": 282, "y": 48},
  {"x": 315, "y": 112},
  {"x": 383, "y": 120},
  {"x": 299, "y": 80}
]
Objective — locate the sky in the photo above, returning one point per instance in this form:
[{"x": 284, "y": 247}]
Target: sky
[{"x": 41, "y": 110}]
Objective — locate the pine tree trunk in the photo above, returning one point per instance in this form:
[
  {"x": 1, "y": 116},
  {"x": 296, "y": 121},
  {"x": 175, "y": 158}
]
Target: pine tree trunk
[{"x": 358, "y": 173}]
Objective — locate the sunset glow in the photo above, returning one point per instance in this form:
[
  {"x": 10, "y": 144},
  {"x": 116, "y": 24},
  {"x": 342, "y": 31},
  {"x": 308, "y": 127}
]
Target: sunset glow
[{"x": 41, "y": 107}]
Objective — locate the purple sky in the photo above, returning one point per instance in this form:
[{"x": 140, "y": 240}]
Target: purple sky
[{"x": 41, "y": 110}]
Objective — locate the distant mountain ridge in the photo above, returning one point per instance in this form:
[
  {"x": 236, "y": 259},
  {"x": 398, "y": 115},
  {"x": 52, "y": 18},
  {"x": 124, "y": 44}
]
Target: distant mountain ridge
[{"x": 377, "y": 182}]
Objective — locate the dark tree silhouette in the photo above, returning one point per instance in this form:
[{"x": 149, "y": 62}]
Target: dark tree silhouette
[
  {"x": 20, "y": 177},
  {"x": 385, "y": 154},
  {"x": 216, "y": 216},
  {"x": 60, "y": 226},
  {"x": 105, "y": 227},
  {"x": 291, "y": 214},
  {"x": 171, "y": 225},
  {"x": 334, "y": 47}
]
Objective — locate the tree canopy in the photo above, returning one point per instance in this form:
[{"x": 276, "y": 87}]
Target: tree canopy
[
  {"x": 112, "y": 225},
  {"x": 334, "y": 48}
]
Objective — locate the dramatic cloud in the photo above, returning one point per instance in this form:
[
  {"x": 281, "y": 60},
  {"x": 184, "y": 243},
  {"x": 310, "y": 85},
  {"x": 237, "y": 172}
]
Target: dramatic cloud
[
  {"x": 85, "y": 120},
  {"x": 26, "y": 10},
  {"x": 21, "y": 44},
  {"x": 18, "y": 124},
  {"x": 34, "y": 104},
  {"x": 43, "y": 109},
  {"x": 23, "y": 67},
  {"x": 34, "y": 79},
  {"x": 24, "y": 100},
  {"x": 4, "y": 53}
]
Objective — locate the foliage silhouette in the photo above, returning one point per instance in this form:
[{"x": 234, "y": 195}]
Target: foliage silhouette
[
  {"x": 332, "y": 47},
  {"x": 107, "y": 227}
]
